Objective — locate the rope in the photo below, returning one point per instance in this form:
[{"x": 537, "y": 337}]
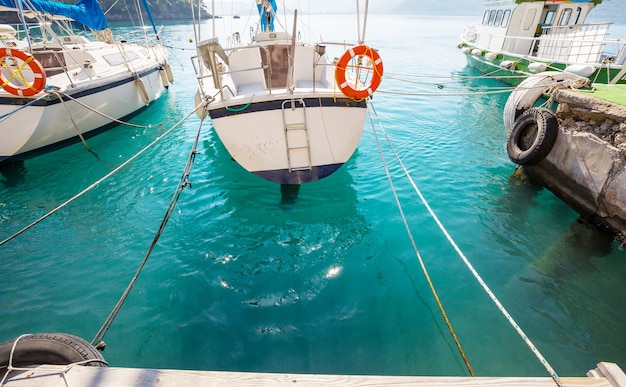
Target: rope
[
  {"x": 100, "y": 113},
  {"x": 443, "y": 94},
  {"x": 482, "y": 283},
  {"x": 179, "y": 48},
  {"x": 81, "y": 193},
  {"x": 2, "y": 117},
  {"x": 80, "y": 135},
  {"x": 417, "y": 253},
  {"x": 98, "y": 341},
  {"x": 488, "y": 92}
]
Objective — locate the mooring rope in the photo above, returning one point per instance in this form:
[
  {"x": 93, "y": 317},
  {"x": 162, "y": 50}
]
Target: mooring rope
[
  {"x": 98, "y": 340},
  {"x": 482, "y": 283},
  {"x": 2, "y": 117},
  {"x": 69, "y": 114},
  {"x": 104, "y": 115},
  {"x": 417, "y": 253},
  {"x": 89, "y": 188},
  {"x": 470, "y": 94}
]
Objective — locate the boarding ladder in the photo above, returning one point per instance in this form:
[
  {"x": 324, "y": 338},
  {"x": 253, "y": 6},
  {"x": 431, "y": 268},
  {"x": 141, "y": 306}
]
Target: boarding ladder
[{"x": 296, "y": 135}]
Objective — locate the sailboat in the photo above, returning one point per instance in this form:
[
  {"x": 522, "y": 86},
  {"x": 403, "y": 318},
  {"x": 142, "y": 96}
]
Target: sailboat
[
  {"x": 283, "y": 109},
  {"x": 59, "y": 86},
  {"x": 519, "y": 38}
]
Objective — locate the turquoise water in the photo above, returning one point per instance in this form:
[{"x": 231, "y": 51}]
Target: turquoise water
[{"x": 328, "y": 282}]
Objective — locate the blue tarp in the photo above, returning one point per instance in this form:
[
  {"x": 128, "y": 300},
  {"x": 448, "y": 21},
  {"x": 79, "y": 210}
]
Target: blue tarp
[
  {"x": 86, "y": 12},
  {"x": 267, "y": 15}
]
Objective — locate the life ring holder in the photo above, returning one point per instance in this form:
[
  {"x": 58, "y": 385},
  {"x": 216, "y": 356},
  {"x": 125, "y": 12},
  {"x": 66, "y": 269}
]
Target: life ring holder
[
  {"x": 532, "y": 137},
  {"x": 39, "y": 74},
  {"x": 342, "y": 66}
]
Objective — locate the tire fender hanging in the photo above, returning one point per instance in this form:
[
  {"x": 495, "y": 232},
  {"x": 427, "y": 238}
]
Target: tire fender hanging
[
  {"x": 49, "y": 348},
  {"x": 532, "y": 137}
]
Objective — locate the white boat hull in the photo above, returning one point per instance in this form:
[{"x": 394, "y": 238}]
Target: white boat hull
[
  {"x": 259, "y": 142},
  {"x": 51, "y": 122}
]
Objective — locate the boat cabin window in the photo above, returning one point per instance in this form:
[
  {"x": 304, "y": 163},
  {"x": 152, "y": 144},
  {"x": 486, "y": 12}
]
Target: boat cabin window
[
  {"x": 52, "y": 60},
  {"x": 565, "y": 16},
  {"x": 577, "y": 15},
  {"x": 530, "y": 19},
  {"x": 505, "y": 18},
  {"x": 486, "y": 18},
  {"x": 278, "y": 65},
  {"x": 498, "y": 18},
  {"x": 492, "y": 17},
  {"x": 547, "y": 20}
]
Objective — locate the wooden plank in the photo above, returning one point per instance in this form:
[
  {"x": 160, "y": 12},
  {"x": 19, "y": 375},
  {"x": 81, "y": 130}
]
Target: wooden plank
[
  {"x": 77, "y": 376},
  {"x": 611, "y": 372}
]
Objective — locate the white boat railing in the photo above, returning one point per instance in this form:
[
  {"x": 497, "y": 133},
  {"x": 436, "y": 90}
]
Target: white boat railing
[
  {"x": 585, "y": 43},
  {"x": 234, "y": 79},
  {"x": 578, "y": 43}
]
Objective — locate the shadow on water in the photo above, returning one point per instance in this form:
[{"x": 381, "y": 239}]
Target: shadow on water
[
  {"x": 573, "y": 252},
  {"x": 289, "y": 193},
  {"x": 13, "y": 172}
]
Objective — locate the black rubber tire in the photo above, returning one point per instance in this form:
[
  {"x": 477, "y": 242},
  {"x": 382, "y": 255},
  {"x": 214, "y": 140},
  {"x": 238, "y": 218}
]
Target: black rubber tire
[
  {"x": 49, "y": 348},
  {"x": 532, "y": 136}
]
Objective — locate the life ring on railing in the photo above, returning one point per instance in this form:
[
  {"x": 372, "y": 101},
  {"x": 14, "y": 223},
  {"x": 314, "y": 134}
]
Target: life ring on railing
[
  {"x": 49, "y": 348},
  {"x": 342, "y": 66},
  {"x": 25, "y": 88},
  {"x": 532, "y": 136}
]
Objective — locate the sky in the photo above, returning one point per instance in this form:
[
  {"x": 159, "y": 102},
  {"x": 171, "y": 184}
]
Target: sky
[
  {"x": 317, "y": 6},
  {"x": 427, "y": 7}
]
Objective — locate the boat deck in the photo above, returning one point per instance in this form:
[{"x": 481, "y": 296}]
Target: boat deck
[{"x": 606, "y": 375}]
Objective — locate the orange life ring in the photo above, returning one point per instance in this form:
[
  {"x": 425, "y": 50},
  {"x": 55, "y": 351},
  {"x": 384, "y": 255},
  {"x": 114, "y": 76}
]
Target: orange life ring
[
  {"x": 26, "y": 88},
  {"x": 342, "y": 66}
]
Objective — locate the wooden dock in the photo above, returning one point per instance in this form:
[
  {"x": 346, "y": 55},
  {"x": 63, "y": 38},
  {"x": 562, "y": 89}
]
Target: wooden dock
[{"x": 606, "y": 375}]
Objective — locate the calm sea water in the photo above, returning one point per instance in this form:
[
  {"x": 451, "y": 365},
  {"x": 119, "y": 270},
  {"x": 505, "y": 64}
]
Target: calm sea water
[{"x": 328, "y": 282}]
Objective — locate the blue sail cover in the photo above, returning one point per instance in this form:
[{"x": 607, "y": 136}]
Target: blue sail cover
[
  {"x": 86, "y": 12},
  {"x": 267, "y": 15}
]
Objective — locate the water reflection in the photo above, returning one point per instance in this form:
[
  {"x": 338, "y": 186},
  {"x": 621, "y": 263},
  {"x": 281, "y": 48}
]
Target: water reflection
[
  {"x": 289, "y": 193},
  {"x": 277, "y": 263}
]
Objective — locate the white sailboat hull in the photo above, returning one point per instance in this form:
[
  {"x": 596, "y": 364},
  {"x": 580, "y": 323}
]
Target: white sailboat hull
[
  {"x": 263, "y": 142},
  {"x": 88, "y": 110}
]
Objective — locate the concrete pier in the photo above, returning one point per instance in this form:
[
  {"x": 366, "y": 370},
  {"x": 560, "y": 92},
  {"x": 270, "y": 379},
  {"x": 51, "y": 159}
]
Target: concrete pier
[
  {"x": 586, "y": 168},
  {"x": 605, "y": 375}
]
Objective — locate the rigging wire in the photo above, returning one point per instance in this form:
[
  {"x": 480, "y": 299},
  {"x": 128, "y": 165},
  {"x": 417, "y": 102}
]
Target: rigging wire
[
  {"x": 102, "y": 179},
  {"x": 482, "y": 283},
  {"x": 98, "y": 340}
]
